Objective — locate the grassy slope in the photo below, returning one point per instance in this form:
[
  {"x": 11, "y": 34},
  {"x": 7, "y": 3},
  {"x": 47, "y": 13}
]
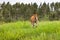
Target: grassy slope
[{"x": 24, "y": 31}]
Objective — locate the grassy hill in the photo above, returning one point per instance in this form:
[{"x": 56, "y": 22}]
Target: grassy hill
[{"x": 46, "y": 30}]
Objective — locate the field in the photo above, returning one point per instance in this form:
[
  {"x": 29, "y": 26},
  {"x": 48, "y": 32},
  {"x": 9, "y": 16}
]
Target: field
[{"x": 46, "y": 30}]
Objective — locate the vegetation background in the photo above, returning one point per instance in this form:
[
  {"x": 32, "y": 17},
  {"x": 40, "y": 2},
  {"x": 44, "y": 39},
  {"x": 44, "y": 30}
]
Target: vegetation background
[
  {"x": 21, "y": 11},
  {"x": 20, "y": 28}
]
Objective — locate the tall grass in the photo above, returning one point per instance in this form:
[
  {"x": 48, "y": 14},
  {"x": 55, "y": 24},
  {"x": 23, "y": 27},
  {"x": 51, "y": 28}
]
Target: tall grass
[{"x": 48, "y": 30}]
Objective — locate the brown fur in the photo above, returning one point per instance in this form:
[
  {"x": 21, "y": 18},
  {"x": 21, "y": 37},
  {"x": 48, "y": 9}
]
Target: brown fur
[{"x": 34, "y": 19}]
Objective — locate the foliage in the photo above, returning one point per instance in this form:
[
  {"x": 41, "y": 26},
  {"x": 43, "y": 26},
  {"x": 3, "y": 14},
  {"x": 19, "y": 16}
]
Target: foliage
[{"x": 21, "y": 11}]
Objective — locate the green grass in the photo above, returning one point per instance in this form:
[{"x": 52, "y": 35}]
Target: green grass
[{"x": 46, "y": 30}]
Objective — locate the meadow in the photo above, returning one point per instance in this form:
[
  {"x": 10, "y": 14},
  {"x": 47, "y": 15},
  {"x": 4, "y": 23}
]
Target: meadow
[{"x": 20, "y": 30}]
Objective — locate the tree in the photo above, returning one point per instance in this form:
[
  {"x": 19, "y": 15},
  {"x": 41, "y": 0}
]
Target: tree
[{"x": 52, "y": 6}]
